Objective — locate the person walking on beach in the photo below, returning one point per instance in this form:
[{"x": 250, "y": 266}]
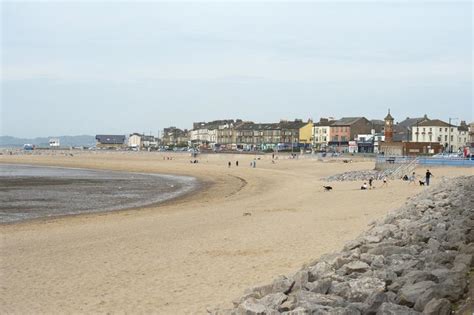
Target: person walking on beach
[
  {"x": 412, "y": 179},
  {"x": 370, "y": 182},
  {"x": 428, "y": 175},
  {"x": 229, "y": 164},
  {"x": 384, "y": 182},
  {"x": 236, "y": 163}
]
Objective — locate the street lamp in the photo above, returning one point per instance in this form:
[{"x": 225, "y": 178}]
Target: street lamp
[{"x": 449, "y": 134}]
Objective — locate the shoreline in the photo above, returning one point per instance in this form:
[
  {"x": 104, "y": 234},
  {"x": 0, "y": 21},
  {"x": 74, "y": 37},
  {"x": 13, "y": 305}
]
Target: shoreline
[
  {"x": 197, "y": 252},
  {"x": 177, "y": 196}
]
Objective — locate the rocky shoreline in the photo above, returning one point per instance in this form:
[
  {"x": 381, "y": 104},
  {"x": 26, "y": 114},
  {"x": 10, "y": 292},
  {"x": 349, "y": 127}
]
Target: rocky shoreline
[
  {"x": 416, "y": 260},
  {"x": 355, "y": 176}
]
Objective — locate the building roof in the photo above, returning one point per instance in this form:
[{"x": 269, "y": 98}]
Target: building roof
[
  {"x": 410, "y": 122},
  {"x": 110, "y": 139},
  {"x": 345, "y": 121},
  {"x": 283, "y": 124},
  {"x": 214, "y": 124},
  {"x": 324, "y": 122},
  {"x": 434, "y": 122}
]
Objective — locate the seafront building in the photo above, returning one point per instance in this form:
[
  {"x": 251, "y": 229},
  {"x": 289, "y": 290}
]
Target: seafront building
[
  {"x": 217, "y": 133},
  {"x": 141, "y": 141},
  {"x": 451, "y": 137},
  {"x": 346, "y": 129},
  {"x": 284, "y": 135},
  {"x": 173, "y": 136},
  {"x": 110, "y": 141},
  {"x": 321, "y": 133},
  {"x": 419, "y": 135}
]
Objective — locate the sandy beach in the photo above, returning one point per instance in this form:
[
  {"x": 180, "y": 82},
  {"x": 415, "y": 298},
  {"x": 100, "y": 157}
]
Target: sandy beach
[{"x": 244, "y": 227}]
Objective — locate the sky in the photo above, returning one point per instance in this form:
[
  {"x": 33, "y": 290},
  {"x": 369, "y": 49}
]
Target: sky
[{"x": 90, "y": 67}]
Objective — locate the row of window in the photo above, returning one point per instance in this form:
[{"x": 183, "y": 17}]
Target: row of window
[{"x": 431, "y": 129}]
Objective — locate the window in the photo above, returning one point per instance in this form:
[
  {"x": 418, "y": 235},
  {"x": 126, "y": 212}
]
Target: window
[
  {"x": 440, "y": 129},
  {"x": 452, "y": 138},
  {"x": 431, "y": 129},
  {"x": 445, "y": 138},
  {"x": 424, "y": 129},
  {"x": 343, "y": 138},
  {"x": 446, "y": 129}
]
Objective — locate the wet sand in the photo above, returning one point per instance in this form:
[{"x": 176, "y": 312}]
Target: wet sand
[
  {"x": 31, "y": 192},
  {"x": 192, "y": 253}
]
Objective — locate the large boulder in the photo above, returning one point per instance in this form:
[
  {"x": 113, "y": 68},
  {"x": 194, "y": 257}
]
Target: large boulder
[
  {"x": 320, "y": 270},
  {"x": 409, "y": 293},
  {"x": 311, "y": 300},
  {"x": 357, "y": 290},
  {"x": 394, "y": 309},
  {"x": 437, "y": 307}
]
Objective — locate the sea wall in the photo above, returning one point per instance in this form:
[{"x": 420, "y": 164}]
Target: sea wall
[{"x": 415, "y": 260}]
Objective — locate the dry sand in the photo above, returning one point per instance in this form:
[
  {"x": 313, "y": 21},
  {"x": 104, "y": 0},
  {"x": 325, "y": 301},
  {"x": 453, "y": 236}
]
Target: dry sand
[{"x": 189, "y": 254}]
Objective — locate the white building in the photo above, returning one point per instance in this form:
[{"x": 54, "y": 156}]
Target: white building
[
  {"x": 135, "y": 140},
  {"x": 321, "y": 134},
  {"x": 140, "y": 141},
  {"x": 54, "y": 143},
  {"x": 207, "y": 134},
  {"x": 451, "y": 137}
]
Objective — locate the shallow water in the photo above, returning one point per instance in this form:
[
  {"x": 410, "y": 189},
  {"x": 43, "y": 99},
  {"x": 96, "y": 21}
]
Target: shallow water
[{"x": 30, "y": 192}]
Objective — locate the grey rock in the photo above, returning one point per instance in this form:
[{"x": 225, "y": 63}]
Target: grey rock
[
  {"x": 409, "y": 293},
  {"x": 273, "y": 301},
  {"x": 288, "y": 305},
  {"x": 352, "y": 244},
  {"x": 343, "y": 311},
  {"x": 437, "y": 307},
  {"x": 394, "y": 309},
  {"x": 319, "y": 286},
  {"x": 320, "y": 270},
  {"x": 252, "y": 307},
  {"x": 357, "y": 290},
  {"x": 246, "y": 296},
  {"x": 259, "y": 291},
  {"x": 388, "y": 250},
  {"x": 300, "y": 279},
  {"x": 374, "y": 301},
  {"x": 463, "y": 259},
  {"x": 297, "y": 311},
  {"x": 355, "y": 266},
  {"x": 310, "y": 300},
  {"x": 433, "y": 244},
  {"x": 452, "y": 288},
  {"x": 416, "y": 276},
  {"x": 424, "y": 298},
  {"x": 378, "y": 262},
  {"x": 282, "y": 284}
]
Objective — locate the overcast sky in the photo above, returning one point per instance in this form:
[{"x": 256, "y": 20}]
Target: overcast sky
[{"x": 120, "y": 67}]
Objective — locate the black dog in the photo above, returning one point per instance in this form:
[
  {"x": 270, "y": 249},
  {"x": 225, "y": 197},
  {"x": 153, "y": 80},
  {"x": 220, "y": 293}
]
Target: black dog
[
  {"x": 421, "y": 183},
  {"x": 327, "y": 188}
]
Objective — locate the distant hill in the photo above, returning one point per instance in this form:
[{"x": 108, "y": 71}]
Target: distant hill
[{"x": 66, "y": 141}]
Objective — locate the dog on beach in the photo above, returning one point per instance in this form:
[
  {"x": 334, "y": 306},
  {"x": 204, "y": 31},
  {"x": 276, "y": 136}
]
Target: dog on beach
[
  {"x": 421, "y": 183},
  {"x": 327, "y": 188}
]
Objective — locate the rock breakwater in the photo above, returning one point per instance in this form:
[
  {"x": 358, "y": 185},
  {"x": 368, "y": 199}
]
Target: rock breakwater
[
  {"x": 414, "y": 261},
  {"x": 355, "y": 176}
]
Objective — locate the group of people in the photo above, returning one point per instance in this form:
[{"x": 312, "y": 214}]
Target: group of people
[
  {"x": 413, "y": 178},
  {"x": 371, "y": 181}
]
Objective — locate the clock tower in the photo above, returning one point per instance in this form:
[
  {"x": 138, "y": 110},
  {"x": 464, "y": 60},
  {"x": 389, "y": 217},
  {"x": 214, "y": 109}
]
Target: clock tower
[{"x": 388, "y": 129}]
